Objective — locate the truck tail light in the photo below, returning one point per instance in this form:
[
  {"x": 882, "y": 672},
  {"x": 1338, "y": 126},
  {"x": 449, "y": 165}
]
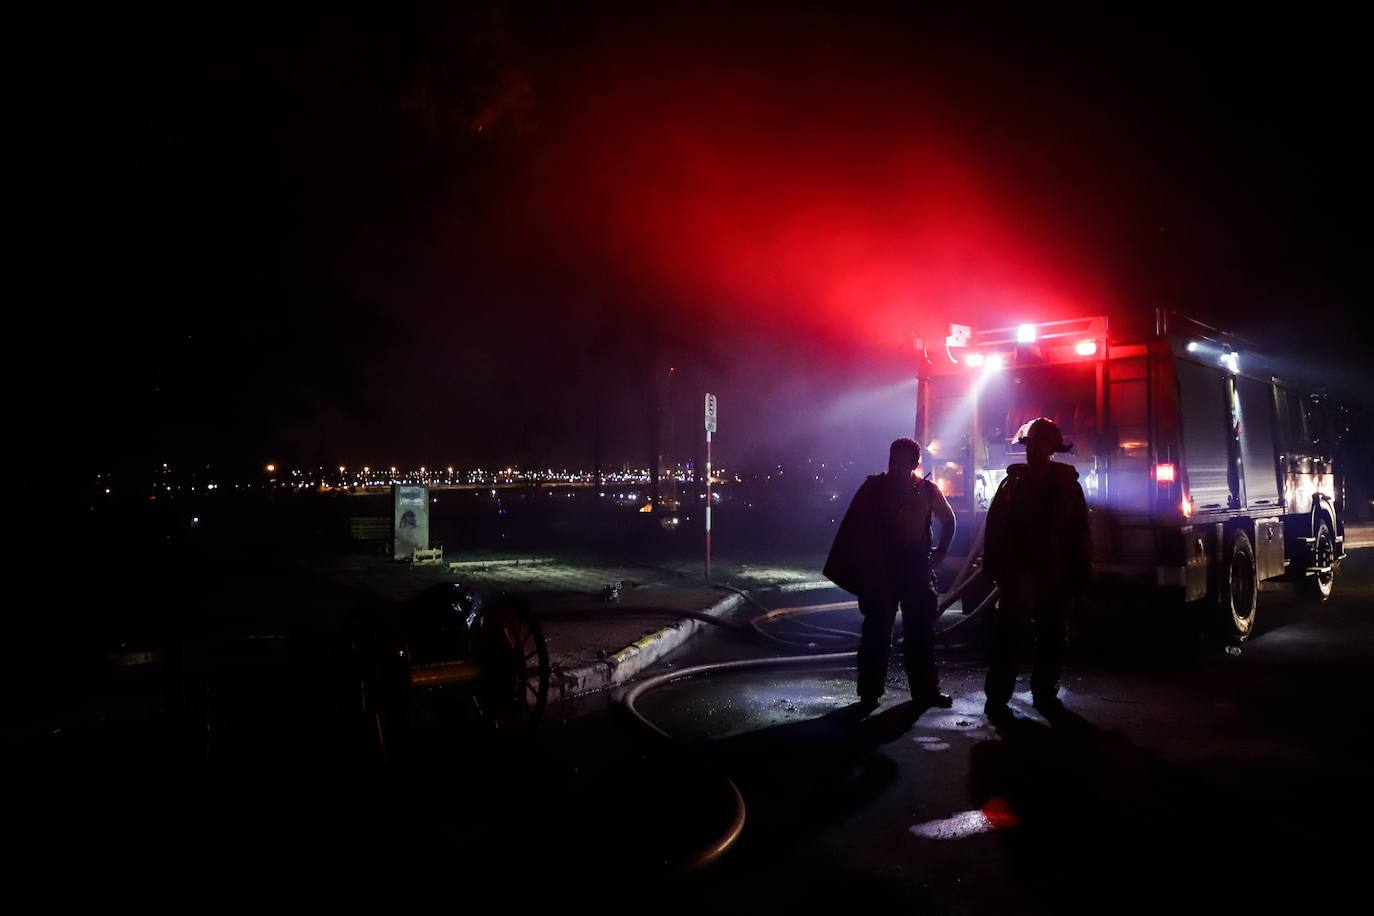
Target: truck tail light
[
  {"x": 1164, "y": 473},
  {"x": 1085, "y": 347}
]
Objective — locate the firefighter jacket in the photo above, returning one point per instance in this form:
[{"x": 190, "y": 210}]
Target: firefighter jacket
[
  {"x": 870, "y": 553},
  {"x": 1037, "y": 530}
]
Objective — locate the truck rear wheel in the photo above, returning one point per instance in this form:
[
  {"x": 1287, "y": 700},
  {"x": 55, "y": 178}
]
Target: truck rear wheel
[
  {"x": 1240, "y": 592},
  {"x": 1320, "y": 584}
]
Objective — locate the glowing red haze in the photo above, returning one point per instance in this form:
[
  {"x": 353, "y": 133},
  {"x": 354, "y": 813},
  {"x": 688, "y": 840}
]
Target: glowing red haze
[{"x": 834, "y": 204}]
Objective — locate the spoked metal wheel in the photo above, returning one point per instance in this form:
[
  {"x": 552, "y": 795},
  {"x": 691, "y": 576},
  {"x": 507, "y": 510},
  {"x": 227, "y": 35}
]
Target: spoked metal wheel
[
  {"x": 509, "y": 649},
  {"x": 1320, "y": 584}
]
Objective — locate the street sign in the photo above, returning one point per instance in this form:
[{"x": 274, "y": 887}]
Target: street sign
[
  {"x": 710, "y": 413},
  {"x": 409, "y": 520}
]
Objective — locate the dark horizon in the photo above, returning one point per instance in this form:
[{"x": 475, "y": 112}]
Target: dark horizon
[{"x": 474, "y": 235}]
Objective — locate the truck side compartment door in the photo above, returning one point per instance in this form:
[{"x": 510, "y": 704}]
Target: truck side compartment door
[
  {"x": 1202, "y": 394},
  {"x": 1258, "y": 452},
  {"x": 1269, "y": 554}
]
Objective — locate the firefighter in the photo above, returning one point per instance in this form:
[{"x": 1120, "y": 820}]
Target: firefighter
[
  {"x": 882, "y": 554},
  {"x": 1037, "y": 550}
]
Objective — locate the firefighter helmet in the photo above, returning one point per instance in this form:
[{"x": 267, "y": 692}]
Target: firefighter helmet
[{"x": 1043, "y": 431}]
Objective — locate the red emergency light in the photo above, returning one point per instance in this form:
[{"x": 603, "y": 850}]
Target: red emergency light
[
  {"x": 1165, "y": 473},
  {"x": 1024, "y": 345}
]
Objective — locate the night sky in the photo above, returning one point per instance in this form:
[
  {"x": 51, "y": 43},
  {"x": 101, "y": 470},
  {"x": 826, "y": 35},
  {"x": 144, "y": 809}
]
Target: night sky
[{"x": 389, "y": 234}]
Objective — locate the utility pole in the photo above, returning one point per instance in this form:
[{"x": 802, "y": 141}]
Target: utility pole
[
  {"x": 666, "y": 492},
  {"x": 710, "y": 428}
]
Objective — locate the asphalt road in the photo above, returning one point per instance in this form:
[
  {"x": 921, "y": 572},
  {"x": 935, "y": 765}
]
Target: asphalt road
[{"x": 1190, "y": 777}]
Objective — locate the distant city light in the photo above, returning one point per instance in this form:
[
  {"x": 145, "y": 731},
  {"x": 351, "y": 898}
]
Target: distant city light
[{"x": 567, "y": 479}]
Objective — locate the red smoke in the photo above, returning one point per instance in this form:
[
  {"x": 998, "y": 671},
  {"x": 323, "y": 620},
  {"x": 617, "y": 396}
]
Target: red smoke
[{"x": 831, "y": 196}]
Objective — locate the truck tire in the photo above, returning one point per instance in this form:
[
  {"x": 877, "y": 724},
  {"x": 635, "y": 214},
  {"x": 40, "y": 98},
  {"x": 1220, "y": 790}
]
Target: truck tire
[
  {"x": 1240, "y": 588},
  {"x": 1320, "y": 585}
]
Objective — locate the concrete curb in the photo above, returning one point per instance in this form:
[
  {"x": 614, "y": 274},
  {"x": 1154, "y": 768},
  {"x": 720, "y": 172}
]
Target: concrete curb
[
  {"x": 567, "y": 683},
  {"x": 1359, "y": 536},
  {"x": 467, "y": 565},
  {"x": 808, "y": 586}
]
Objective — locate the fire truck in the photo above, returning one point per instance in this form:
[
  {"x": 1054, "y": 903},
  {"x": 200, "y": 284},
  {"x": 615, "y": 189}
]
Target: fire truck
[{"x": 1205, "y": 473}]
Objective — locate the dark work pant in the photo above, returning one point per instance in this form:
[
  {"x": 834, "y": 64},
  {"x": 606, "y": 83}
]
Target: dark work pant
[
  {"x": 918, "y": 624},
  {"x": 1023, "y": 611}
]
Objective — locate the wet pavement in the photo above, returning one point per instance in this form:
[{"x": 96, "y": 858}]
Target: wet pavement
[{"x": 1186, "y": 776}]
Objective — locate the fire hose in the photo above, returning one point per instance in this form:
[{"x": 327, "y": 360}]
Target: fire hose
[{"x": 969, "y": 573}]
